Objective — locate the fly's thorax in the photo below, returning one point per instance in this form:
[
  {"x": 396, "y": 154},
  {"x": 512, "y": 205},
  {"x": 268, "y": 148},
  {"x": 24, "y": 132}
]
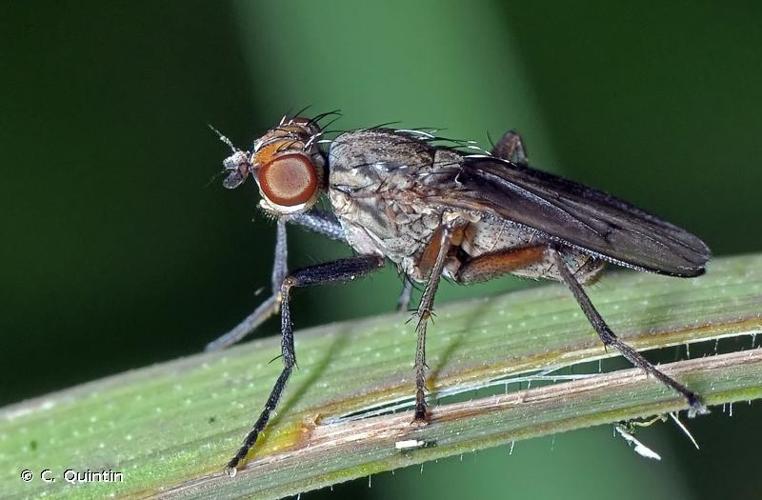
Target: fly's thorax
[
  {"x": 352, "y": 150},
  {"x": 379, "y": 185},
  {"x": 365, "y": 161},
  {"x": 396, "y": 228},
  {"x": 371, "y": 188}
]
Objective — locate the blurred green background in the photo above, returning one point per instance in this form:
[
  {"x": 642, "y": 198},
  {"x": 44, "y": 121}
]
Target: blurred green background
[{"x": 117, "y": 250}]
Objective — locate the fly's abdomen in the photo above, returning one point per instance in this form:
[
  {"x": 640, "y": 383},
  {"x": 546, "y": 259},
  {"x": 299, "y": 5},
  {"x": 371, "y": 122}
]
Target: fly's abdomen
[{"x": 492, "y": 247}]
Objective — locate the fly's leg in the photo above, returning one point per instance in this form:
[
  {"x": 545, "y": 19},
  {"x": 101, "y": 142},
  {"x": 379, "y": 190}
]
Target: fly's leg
[
  {"x": 491, "y": 265},
  {"x": 267, "y": 308},
  {"x": 322, "y": 223},
  {"x": 403, "y": 302},
  {"x": 332, "y": 272},
  {"x": 326, "y": 224},
  {"x": 423, "y": 313},
  {"x": 610, "y": 339},
  {"x": 316, "y": 221},
  {"x": 511, "y": 147}
]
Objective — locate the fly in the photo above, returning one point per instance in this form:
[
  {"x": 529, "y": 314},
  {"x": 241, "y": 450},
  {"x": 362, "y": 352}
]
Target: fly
[{"x": 436, "y": 209}]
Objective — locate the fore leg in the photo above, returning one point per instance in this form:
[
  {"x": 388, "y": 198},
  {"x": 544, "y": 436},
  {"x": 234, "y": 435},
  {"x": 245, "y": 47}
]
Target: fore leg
[
  {"x": 338, "y": 271},
  {"x": 322, "y": 223},
  {"x": 511, "y": 147},
  {"x": 316, "y": 221},
  {"x": 442, "y": 246},
  {"x": 267, "y": 308},
  {"x": 610, "y": 339}
]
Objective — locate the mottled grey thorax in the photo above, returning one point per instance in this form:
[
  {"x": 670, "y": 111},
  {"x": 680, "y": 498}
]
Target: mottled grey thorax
[{"x": 377, "y": 198}]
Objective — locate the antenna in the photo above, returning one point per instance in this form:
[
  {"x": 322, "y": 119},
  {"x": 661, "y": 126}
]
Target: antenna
[{"x": 223, "y": 138}]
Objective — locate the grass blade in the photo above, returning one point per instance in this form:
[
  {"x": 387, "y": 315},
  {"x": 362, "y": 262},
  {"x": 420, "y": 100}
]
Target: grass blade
[{"x": 170, "y": 428}]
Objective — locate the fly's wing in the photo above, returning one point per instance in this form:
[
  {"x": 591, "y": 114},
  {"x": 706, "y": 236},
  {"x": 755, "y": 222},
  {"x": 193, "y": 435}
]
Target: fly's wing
[{"x": 570, "y": 213}]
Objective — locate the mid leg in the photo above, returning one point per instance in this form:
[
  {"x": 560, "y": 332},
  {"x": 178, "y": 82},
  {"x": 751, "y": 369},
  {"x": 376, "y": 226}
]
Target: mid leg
[
  {"x": 610, "y": 339},
  {"x": 332, "y": 272},
  {"x": 423, "y": 313}
]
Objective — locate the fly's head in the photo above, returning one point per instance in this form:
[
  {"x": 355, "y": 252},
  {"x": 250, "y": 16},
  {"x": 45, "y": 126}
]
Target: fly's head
[{"x": 286, "y": 164}]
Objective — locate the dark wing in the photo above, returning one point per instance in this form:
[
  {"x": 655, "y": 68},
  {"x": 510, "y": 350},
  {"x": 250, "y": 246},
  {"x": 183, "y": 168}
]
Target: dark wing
[{"x": 570, "y": 213}]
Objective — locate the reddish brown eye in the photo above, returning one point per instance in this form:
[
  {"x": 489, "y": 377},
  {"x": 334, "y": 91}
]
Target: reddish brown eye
[{"x": 289, "y": 180}]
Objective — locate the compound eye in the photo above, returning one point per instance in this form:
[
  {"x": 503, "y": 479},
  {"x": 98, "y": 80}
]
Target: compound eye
[{"x": 289, "y": 180}]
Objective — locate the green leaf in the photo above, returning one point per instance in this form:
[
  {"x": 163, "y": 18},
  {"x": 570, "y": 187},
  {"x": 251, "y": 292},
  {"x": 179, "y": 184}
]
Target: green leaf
[{"x": 170, "y": 428}]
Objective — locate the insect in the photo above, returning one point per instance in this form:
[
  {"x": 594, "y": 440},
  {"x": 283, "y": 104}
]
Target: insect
[{"x": 435, "y": 209}]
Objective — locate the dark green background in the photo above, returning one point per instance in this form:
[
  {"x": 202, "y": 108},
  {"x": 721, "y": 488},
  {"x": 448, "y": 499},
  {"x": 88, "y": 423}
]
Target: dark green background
[{"x": 118, "y": 252}]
